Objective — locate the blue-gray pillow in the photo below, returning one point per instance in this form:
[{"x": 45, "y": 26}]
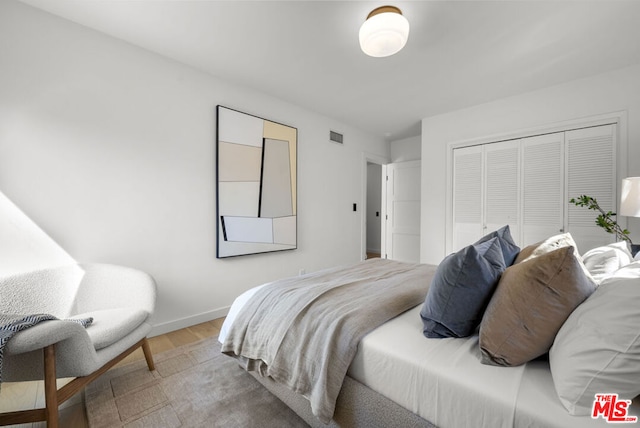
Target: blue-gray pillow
[
  {"x": 509, "y": 248},
  {"x": 461, "y": 289}
]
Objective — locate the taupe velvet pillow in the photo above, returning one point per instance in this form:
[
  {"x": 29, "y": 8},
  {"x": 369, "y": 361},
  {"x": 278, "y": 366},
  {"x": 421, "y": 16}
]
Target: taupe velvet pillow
[{"x": 530, "y": 304}]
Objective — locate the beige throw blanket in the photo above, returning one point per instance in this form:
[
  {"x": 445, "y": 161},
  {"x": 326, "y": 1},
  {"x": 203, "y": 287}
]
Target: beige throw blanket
[{"x": 304, "y": 331}]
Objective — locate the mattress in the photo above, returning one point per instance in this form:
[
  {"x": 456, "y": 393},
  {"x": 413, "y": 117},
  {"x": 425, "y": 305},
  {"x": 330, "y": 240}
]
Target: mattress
[{"x": 443, "y": 381}]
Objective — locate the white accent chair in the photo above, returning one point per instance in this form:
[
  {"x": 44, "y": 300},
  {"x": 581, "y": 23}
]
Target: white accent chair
[{"x": 120, "y": 300}]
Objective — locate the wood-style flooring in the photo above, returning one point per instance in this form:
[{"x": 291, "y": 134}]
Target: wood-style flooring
[{"x": 30, "y": 395}]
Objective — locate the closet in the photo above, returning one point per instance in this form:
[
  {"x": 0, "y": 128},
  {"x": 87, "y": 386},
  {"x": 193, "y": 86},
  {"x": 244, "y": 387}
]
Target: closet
[{"x": 527, "y": 183}]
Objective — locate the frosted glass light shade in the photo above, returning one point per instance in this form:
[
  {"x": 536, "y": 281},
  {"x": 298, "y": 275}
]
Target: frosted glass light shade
[
  {"x": 384, "y": 32},
  {"x": 630, "y": 197}
]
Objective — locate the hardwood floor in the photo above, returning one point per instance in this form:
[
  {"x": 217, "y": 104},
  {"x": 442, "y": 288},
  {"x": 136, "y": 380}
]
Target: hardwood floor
[{"x": 30, "y": 395}]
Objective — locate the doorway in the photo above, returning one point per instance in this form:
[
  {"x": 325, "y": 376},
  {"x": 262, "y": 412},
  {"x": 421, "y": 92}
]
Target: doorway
[
  {"x": 373, "y": 241},
  {"x": 373, "y": 210}
]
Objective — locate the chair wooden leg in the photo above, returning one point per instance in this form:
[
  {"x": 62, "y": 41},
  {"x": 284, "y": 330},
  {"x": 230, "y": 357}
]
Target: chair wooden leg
[
  {"x": 146, "y": 349},
  {"x": 50, "y": 388},
  {"x": 55, "y": 397}
]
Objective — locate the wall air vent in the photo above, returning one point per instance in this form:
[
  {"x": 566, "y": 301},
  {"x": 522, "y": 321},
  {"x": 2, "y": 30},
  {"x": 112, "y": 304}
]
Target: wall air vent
[{"x": 336, "y": 137}]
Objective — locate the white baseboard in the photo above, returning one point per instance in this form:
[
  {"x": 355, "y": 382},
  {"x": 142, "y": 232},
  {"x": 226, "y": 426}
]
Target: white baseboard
[{"x": 170, "y": 326}]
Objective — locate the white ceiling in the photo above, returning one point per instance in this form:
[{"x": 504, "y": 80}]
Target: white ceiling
[{"x": 459, "y": 53}]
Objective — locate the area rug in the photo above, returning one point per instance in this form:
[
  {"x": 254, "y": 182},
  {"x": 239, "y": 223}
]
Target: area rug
[{"x": 193, "y": 386}]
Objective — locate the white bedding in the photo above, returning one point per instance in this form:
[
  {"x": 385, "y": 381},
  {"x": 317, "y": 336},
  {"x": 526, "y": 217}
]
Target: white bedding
[{"x": 443, "y": 381}]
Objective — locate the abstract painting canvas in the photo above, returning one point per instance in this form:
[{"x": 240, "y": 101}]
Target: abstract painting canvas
[{"x": 256, "y": 184}]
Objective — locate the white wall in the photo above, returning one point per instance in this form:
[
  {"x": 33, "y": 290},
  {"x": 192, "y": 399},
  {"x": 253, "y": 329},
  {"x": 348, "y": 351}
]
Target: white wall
[
  {"x": 407, "y": 149},
  {"x": 23, "y": 245},
  {"x": 110, "y": 149},
  {"x": 605, "y": 93}
]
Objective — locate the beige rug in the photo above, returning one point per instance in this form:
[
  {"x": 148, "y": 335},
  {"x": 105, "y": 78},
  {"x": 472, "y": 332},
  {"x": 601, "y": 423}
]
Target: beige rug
[{"x": 192, "y": 386}]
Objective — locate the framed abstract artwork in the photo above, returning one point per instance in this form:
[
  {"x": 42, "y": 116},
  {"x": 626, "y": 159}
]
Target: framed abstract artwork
[{"x": 256, "y": 184}]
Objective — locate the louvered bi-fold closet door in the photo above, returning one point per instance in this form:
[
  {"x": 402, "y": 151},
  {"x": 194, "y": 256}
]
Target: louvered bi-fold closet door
[
  {"x": 502, "y": 187},
  {"x": 543, "y": 198},
  {"x": 590, "y": 170},
  {"x": 467, "y": 196}
]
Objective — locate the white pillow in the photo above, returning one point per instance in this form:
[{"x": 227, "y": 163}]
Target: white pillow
[
  {"x": 602, "y": 262},
  {"x": 597, "y": 350},
  {"x": 546, "y": 246}
]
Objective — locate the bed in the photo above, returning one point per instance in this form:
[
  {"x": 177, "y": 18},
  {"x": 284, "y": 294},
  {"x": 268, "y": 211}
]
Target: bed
[{"x": 398, "y": 377}]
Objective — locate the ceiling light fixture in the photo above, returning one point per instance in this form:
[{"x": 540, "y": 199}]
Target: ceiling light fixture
[{"x": 384, "y": 32}]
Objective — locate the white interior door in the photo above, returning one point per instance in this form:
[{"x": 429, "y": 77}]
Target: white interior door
[
  {"x": 590, "y": 159},
  {"x": 402, "y": 216},
  {"x": 543, "y": 198},
  {"x": 502, "y": 187},
  {"x": 467, "y": 196}
]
